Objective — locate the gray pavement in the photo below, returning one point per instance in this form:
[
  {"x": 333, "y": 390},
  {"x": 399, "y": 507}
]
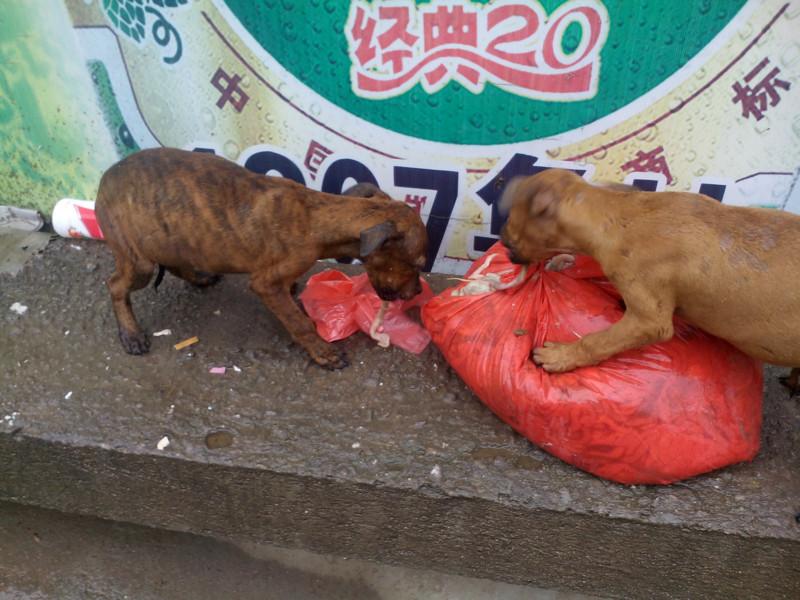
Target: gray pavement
[
  {"x": 47, "y": 555},
  {"x": 391, "y": 460}
]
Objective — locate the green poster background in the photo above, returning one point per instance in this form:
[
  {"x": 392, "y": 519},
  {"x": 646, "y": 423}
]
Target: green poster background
[
  {"x": 53, "y": 141},
  {"x": 647, "y": 42}
]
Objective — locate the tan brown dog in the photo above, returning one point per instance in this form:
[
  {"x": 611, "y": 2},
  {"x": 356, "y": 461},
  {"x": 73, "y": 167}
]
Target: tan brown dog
[
  {"x": 731, "y": 271},
  {"x": 198, "y": 215}
]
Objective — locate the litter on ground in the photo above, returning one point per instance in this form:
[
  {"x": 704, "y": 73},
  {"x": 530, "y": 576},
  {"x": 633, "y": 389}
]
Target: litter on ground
[
  {"x": 18, "y": 308},
  {"x": 187, "y": 342}
]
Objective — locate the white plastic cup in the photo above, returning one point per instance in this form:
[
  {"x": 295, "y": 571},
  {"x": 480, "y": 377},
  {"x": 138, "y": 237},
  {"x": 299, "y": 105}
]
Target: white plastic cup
[{"x": 76, "y": 219}]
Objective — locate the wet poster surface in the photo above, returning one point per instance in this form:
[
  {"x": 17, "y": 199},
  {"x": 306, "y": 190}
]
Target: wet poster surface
[{"x": 440, "y": 103}]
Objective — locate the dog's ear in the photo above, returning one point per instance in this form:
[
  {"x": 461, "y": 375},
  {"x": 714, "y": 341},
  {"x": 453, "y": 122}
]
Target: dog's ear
[
  {"x": 509, "y": 195},
  {"x": 374, "y": 237},
  {"x": 540, "y": 198},
  {"x": 365, "y": 190},
  {"x": 543, "y": 203}
]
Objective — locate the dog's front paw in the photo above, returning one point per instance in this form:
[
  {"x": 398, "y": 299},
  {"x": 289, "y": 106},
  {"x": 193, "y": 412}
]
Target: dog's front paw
[
  {"x": 557, "y": 358},
  {"x": 134, "y": 343},
  {"x": 329, "y": 357}
]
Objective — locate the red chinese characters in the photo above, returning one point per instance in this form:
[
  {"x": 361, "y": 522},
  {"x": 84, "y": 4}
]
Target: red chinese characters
[
  {"x": 653, "y": 161},
  {"x": 230, "y": 90},
  {"x": 315, "y": 156},
  {"x": 756, "y": 100},
  {"x": 508, "y": 43},
  {"x": 416, "y": 202}
]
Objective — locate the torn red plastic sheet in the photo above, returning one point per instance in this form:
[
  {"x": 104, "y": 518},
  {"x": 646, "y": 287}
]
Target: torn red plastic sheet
[
  {"x": 340, "y": 305},
  {"x": 654, "y": 415}
]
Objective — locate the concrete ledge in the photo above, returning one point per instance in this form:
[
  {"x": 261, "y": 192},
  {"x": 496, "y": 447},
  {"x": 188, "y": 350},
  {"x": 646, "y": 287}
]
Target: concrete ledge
[{"x": 346, "y": 463}]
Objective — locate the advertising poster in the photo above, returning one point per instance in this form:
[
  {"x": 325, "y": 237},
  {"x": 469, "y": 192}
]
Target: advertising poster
[{"x": 439, "y": 102}]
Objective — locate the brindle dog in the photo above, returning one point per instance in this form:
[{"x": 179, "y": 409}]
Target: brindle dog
[{"x": 199, "y": 215}]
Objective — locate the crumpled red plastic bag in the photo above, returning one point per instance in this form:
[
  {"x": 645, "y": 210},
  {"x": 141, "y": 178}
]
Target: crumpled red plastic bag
[
  {"x": 654, "y": 415},
  {"x": 340, "y": 305}
]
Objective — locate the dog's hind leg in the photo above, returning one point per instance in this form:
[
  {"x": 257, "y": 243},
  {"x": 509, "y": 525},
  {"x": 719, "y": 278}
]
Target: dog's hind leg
[
  {"x": 792, "y": 381},
  {"x": 130, "y": 275}
]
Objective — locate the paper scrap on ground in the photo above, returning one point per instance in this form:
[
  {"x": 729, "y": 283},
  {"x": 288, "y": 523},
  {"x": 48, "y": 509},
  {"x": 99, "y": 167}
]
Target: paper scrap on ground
[
  {"x": 18, "y": 308},
  {"x": 163, "y": 332},
  {"x": 162, "y": 443},
  {"x": 217, "y": 370}
]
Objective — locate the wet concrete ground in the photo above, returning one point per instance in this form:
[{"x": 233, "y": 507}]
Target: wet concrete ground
[
  {"x": 47, "y": 555},
  {"x": 16, "y": 246},
  {"x": 399, "y": 428}
]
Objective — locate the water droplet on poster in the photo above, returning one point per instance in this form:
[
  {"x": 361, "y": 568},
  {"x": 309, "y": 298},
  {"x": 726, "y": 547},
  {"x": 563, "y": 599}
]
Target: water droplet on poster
[
  {"x": 762, "y": 126},
  {"x": 231, "y": 149},
  {"x": 207, "y": 117},
  {"x": 675, "y": 103},
  {"x": 746, "y": 31},
  {"x": 790, "y": 55},
  {"x": 649, "y": 134},
  {"x": 796, "y": 126}
]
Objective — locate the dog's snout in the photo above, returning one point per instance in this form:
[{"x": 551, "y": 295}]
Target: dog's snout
[
  {"x": 512, "y": 253},
  {"x": 387, "y": 294},
  {"x": 505, "y": 237},
  {"x": 513, "y": 256}
]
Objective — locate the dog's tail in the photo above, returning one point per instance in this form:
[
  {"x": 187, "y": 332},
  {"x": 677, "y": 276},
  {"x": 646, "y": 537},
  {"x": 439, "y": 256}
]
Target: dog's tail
[{"x": 159, "y": 277}]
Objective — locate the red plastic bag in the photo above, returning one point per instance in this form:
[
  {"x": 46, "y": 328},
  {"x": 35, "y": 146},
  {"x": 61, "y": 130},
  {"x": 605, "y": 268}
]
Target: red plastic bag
[
  {"x": 340, "y": 305},
  {"x": 657, "y": 414}
]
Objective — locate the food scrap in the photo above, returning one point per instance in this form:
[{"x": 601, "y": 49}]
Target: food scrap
[
  {"x": 492, "y": 282},
  {"x": 377, "y": 323}
]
